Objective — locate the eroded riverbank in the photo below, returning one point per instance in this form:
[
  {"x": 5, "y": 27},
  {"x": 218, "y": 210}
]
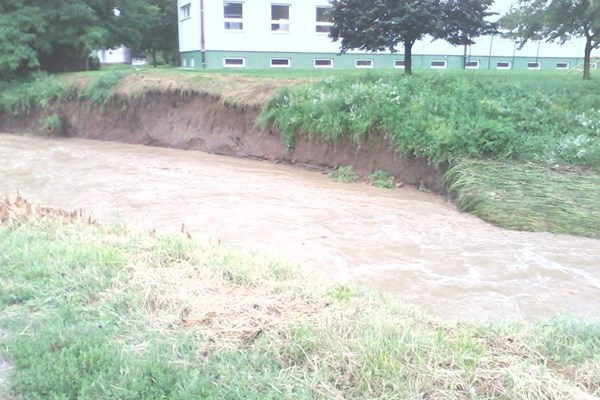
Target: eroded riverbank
[{"x": 404, "y": 241}]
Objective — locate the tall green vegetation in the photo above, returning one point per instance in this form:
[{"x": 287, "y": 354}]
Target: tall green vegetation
[
  {"x": 446, "y": 117},
  {"x": 39, "y": 91},
  {"x": 90, "y": 313}
]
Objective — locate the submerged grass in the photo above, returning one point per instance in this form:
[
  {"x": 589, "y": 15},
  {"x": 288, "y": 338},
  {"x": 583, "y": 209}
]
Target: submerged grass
[
  {"x": 92, "y": 313},
  {"x": 528, "y": 196}
]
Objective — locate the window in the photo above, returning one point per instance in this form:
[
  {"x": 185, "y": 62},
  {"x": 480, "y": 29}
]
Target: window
[
  {"x": 323, "y": 63},
  {"x": 503, "y": 65},
  {"x": 562, "y": 65},
  {"x": 184, "y": 11},
  {"x": 280, "y": 63},
  {"x": 323, "y": 19},
  {"x": 534, "y": 65},
  {"x": 280, "y": 17},
  {"x": 234, "y": 62},
  {"x": 233, "y": 14},
  {"x": 184, "y": 63},
  {"x": 438, "y": 64},
  {"x": 363, "y": 63},
  {"x": 472, "y": 65},
  {"x": 399, "y": 64},
  {"x": 192, "y": 63}
]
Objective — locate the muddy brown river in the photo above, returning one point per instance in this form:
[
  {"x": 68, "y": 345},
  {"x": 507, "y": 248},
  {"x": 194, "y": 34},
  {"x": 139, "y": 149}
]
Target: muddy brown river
[{"x": 403, "y": 241}]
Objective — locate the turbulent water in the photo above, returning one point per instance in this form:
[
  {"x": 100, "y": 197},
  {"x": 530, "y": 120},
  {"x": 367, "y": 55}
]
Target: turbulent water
[{"x": 403, "y": 241}]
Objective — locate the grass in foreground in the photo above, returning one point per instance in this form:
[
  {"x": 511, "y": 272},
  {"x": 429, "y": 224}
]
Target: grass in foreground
[
  {"x": 528, "y": 196},
  {"x": 91, "y": 313}
]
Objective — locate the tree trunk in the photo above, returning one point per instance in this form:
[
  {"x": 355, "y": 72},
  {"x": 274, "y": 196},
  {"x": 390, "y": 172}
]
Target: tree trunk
[
  {"x": 586, "y": 59},
  {"x": 465, "y": 57},
  {"x": 154, "y": 57},
  {"x": 408, "y": 57}
]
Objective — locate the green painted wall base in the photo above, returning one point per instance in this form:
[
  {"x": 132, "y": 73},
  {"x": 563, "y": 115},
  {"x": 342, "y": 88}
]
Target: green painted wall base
[{"x": 262, "y": 60}]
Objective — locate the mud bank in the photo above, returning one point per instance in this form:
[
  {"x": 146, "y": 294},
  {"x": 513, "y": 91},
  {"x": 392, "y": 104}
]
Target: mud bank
[{"x": 199, "y": 122}]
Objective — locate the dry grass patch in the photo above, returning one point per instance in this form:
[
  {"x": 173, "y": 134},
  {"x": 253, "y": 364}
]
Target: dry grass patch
[
  {"x": 22, "y": 211},
  {"x": 228, "y": 307}
]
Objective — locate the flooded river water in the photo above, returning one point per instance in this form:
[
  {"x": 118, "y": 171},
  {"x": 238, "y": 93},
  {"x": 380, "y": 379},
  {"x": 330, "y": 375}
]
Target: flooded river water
[{"x": 403, "y": 241}]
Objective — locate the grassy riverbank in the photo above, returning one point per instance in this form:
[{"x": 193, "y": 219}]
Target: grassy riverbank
[
  {"x": 90, "y": 312},
  {"x": 528, "y": 140}
]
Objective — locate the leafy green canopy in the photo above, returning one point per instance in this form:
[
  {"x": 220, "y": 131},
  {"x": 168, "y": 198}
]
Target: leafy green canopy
[
  {"x": 557, "y": 21},
  {"x": 384, "y": 24},
  {"x": 51, "y": 34}
]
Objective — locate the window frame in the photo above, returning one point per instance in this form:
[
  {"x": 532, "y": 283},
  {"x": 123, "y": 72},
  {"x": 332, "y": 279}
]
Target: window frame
[
  {"x": 288, "y": 65},
  {"x": 233, "y": 20},
  {"x": 509, "y": 66},
  {"x": 370, "y": 66},
  {"x": 323, "y": 66},
  {"x": 185, "y": 12},
  {"x": 536, "y": 68},
  {"x": 242, "y": 65},
  {"x": 278, "y": 22},
  {"x": 445, "y": 66},
  {"x": 321, "y": 24},
  {"x": 478, "y": 66},
  {"x": 567, "y": 65},
  {"x": 403, "y": 66}
]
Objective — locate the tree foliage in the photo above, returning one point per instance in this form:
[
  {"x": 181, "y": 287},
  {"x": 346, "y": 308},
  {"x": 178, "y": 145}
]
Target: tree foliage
[
  {"x": 52, "y": 34},
  {"x": 557, "y": 21},
  {"x": 382, "y": 25}
]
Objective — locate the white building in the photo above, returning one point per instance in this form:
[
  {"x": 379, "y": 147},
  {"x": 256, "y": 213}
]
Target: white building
[
  {"x": 120, "y": 55},
  {"x": 294, "y": 34}
]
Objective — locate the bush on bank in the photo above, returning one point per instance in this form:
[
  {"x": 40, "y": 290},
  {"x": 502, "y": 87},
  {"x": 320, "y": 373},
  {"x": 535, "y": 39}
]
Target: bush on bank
[{"x": 445, "y": 117}]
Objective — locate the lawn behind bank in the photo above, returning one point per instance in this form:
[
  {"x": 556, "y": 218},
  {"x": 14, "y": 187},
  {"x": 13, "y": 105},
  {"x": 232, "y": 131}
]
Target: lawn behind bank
[
  {"x": 544, "y": 128},
  {"x": 92, "y": 312}
]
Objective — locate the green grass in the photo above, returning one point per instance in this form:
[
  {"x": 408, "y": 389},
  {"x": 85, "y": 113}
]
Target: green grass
[
  {"x": 344, "y": 174},
  {"x": 101, "y": 90},
  {"x": 528, "y": 196},
  {"x": 90, "y": 313},
  {"x": 446, "y": 117},
  {"x": 382, "y": 179},
  {"x": 37, "y": 92}
]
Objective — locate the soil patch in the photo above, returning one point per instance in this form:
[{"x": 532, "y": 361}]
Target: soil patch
[{"x": 205, "y": 123}]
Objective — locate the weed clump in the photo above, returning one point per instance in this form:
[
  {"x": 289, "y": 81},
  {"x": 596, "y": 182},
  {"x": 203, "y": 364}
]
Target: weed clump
[
  {"x": 382, "y": 179},
  {"x": 101, "y": 90},
  {"x": 344, "y": 174}
]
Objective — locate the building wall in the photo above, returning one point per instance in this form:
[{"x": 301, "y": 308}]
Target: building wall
[
  {"x": 120, "y": 55},
  {"x": 256, "y": 43}
]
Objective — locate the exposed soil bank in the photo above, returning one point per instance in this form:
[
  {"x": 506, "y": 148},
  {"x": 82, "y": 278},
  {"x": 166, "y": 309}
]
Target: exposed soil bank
[{"x": 198, "y": 122}]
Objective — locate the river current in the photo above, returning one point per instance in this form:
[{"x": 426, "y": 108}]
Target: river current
[{"x": 412, "y": 244}]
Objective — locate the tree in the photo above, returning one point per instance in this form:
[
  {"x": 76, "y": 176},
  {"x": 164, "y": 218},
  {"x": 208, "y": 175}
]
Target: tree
[
  {"x": 556, "y": 21},
  {"x": 149, "y": 26},
  {"x": 18, "y": 32},
  {"x": 466, "y": 20},
  {"x": 53, "y": 34},
  {"x": 49, "y": 34},
  {"x": 381, "y": 25}
]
